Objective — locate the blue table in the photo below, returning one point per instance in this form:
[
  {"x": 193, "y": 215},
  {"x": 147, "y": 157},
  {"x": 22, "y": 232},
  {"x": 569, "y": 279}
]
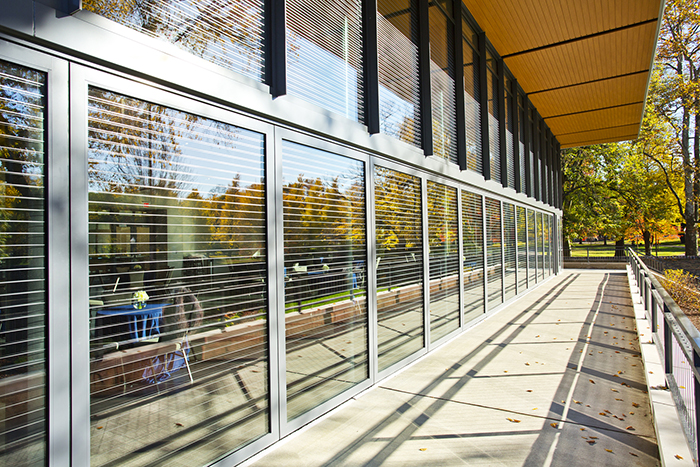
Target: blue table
[{"x": 143, "y": 323}]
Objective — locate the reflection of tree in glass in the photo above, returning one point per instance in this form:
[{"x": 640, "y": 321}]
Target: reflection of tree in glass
[
  {"x": 227, "y": 33},
  {"x": 397, "y": 198}
]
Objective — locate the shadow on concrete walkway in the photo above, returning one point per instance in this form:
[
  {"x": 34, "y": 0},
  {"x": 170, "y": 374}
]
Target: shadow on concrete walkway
[{"x": 553, "y": 379}]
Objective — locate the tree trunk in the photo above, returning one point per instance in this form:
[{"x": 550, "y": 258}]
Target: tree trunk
[
  {"x": 647, "y": 242},
  {"x": 620, "y": 247},
  {"x": 691, "y": 240}
]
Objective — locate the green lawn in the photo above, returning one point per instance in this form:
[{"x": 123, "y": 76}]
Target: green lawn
[{"x": 597, "y": 249}]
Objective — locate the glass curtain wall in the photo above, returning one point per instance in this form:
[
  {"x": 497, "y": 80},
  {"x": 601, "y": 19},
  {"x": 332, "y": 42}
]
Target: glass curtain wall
[
  {"x": 227, "y": 34},
  {"x": 442, "y": 81},
  {"x": 494, "y": 257},
  {"x": 532, "y": 154},
  {"x": 510, "y": 259},
  {"x": 494, "y": 117},
  {"x": 399, "y": 85},
  {"x": 473, "y": 255},
  {"x": 472, "y": 103},
  {"x": 178, "y": 284},
  {"x": 325, "y": 275},
  {"x": 532, "y": 247},
  {"x": 399, "y": 240},
  {"x": 443, "y": 231},
  {"x": 23, "y": 307},
  {"x": 511, "y": 129},
  {"x": 521, "y": 229},
  {"x": 324, "y": 55}
]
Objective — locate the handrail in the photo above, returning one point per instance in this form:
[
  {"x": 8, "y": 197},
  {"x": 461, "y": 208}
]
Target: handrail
[
  {"x": 672, "y": 326},
  {"x": 691, "y": 332}
]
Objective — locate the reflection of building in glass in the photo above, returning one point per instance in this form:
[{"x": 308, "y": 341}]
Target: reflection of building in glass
[{"x": 221, "y": 219}]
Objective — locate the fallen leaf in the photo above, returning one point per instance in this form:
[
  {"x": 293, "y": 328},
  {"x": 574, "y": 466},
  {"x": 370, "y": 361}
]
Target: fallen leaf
[
  {"x": 678, "y": 457},
  {"x": 100, "y": 427},
  {"x": 423, "y": 449},
  {"x": 576, "y": 402},
  {"x": 633, "y": 454},
  {"x": 505, "y": 371},
  {"x": 591, "y": 442},
  {"x": 179, "y": 424},
  {"x": 529, "y": 390},
  {"x": 593, "y": 437},
  {"x": 614, "y": 390},
  {"x": 535, "y": 408},
  {"x": 527, "y": 364},
  {"x": 591, "y": 381},
  {"x": 631, "y": 428},
  {"x": 553, "y": 425},
  {"x": 609, "y": 450},
  {"x": 582, "y": 429},
  {"x": 634, "y": 404},
  {"x": 514, "y": 420},
  {"x": 602, "y": 413},
  {"x": 607, "y": 411},
  {"x": 617, "y": 351},
  {"x": 618, "y": 399},
  {"x": 631, "y": 413}
]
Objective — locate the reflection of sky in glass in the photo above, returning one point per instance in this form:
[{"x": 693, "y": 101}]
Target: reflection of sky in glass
[
  {"x": 299, "y": 159},
  {"x": 321, "y": 77}
]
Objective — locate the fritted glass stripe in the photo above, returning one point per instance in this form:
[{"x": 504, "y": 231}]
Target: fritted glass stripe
[
  {"x": 521, "y": 215},
  {"x": 540, "y": 246},
  {"x": 532, "y": 246},
  {"x": 443, "y": 231},
  {"x": 324, "y": 55},
  {"x": 473, "y": 255},
  {"x": 23, "y": 266},
  {"x": 325, "y": 275},
  {"x": 494, "y": 258},
  {"x": 399, "y": 97},
  {"x": 472, "y": 107},
  {"x": 493, "y": 122},
  {"x": 227, "y": 34},
  {"x": 509, "y": 259},
  {"x": 511, "y": 126},
  {"x": 399, "y": 239},
  {"x": 178, "y": 284},
  {"x": 442, "y": 85}
]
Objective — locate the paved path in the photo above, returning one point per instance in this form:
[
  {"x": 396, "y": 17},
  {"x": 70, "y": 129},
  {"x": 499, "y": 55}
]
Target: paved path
[{"x": 554, "y": 379}]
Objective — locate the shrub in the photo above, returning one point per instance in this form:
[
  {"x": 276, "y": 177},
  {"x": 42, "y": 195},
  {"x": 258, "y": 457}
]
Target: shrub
[{"x": 682, "y": 287}]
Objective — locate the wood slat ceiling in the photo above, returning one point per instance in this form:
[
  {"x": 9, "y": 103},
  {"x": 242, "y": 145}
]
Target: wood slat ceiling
[{"x": 583, "y": 63}]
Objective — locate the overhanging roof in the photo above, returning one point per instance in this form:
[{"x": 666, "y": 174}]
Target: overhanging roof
[{"x": 584, "y": 64}]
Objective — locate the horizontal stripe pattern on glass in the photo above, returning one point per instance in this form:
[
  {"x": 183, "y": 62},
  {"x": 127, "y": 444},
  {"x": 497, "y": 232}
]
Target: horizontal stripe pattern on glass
[
  {"x": 399, "y": 86},
  {"x": 399, "y": 240},
  {"x": 532, "y": 247},
  {"x": 540, "y": 246},
  {"x": 442, "y": 85},
  {"x": 178, "y": 284},
  {"x": 472, "y": 106},
  {"x": 325, "y": 275},
  {"x": 494, "y": 131},
  {"x": 494, "y": 257},
  {"x": 473, "y": 255},
  {"x": 23, "y": 305},
  {"x": 521, "y": 220},
  {"x": 443, "y": 247},
  {"x": 324, "y": 55},
  {"x": 509, "y": 248},
  {"x": 227, "y": 34},
  {"x": 511, "y": 122}
]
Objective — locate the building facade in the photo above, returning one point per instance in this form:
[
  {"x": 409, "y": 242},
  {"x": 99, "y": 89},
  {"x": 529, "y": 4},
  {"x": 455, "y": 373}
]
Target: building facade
[{"x": 224, "y": 218}]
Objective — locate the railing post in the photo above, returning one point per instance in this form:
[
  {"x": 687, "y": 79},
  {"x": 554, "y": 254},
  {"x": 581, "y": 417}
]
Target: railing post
[
  {"x": 668, "y": 342},
  {"x": 652, "y": 314}
]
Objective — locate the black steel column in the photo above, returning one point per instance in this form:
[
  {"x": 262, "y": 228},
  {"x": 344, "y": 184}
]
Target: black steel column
[
  {"x": 424, "y": 76},
  {"x": 371, "y": 65},
  {"x": 276, "y": 45},
  {"x": 484, "y": 103}
]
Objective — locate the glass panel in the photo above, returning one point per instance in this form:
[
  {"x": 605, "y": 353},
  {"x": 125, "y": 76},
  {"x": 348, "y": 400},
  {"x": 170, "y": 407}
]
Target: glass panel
[
  {"x": 397, "y": 206},
  {"x": 399, "y": 98},
  {"x": 325, "y": 273},
  {"x": 532, "y": 246},
  {"x": 442, "y": 85},
  {"x": 511, "y": 123},
  {"x": 178, "y": 284},
  {"x": 494, "y": 134},
  {"x": 228, "y": 34},
  {"x": 473, "y": 260},
  {"x": 494, "y": 260},
  {"x": 540, "y": 246},
  {"x": 509, "y": 259},
  {"x": 522, "y": 248},
  {"x": 22, "y": 267},
  {"x": 324, "y": 54},
  {"x": 521, "y": 145},
  {"x": 533, "y": 159},
  {"x": 444, "y": 260},
  {"x": 472, "y": 105}
]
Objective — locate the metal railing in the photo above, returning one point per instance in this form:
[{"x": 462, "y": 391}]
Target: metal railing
[
  {"x": 597, "y": 254},
  {"x": 678, "y": 343}
]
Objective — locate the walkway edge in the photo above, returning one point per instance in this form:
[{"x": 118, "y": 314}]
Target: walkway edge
[{"x": 670, "y": 437}]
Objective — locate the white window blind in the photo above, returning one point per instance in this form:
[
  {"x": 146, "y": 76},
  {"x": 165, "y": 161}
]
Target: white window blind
[{"x": 473, "y": 250}]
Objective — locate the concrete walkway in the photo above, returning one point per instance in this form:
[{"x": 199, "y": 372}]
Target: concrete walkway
[{"x": 553, "y": 379}]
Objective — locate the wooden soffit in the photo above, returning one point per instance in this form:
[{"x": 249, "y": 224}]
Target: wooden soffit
[{"x": 584, "y": 64}]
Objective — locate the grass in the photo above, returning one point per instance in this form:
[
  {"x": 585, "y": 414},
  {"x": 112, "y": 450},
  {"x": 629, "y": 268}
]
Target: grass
[{"x": 598, "y": 250}]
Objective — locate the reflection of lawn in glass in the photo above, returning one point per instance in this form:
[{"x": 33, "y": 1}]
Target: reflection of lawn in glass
[{"x": 598, "y": 250}]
